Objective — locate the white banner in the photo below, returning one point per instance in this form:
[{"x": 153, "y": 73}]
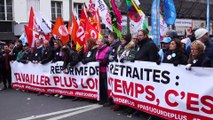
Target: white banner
[
  {"x": 80, "y": 81},
  {"x": 183, "y": 22},
  {"x": 164, "y": 90}
]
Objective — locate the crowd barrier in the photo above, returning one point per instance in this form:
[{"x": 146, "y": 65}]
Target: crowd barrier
[{"x": 162, "y": 90}]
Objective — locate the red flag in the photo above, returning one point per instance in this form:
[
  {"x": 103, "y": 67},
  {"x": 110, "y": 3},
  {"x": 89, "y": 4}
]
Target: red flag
[
  {"x": 91, "y": 32},
  {"x": 81, "y": 29},
  {"x": 73, "y": 29},
  {"x": 60, "y": 30},
  {"x": 29, "y": 33}
]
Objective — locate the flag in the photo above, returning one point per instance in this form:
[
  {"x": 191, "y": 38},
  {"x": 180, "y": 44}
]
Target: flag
[
  {"x": 101, "y": 6},
  {"x": 117, "y": 14},
  {"x": 28, "y": 32},
  {"x": 60, "y": 30},
  {"x": 74, "y": 28},
  {"x": 43, "y": 23},
  {"x": 137, "y": 17},
  {"x": 163, "y": 27},
  {"x": 91, "y": 8},
  {"x": 114, "y": 19},
  {"x": 81, "y": 29},
  {"x": 91, "y": 32},
  {"x": 155, "y": 17},
  {"x": 169, "y": 12},
  {"x": 23, "y": 38}
]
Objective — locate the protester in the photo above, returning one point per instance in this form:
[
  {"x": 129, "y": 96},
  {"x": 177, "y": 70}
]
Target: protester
[
  {"x": 114, "y": 44},
  {"x": 47, "y": 53},
  {"x": 91, "y": 49},
  {"x": 147, "y": 50},
  {"x": 129, "y": 52},
  {"x": 57, "y": 55},
  {"x": 70, "y": 57},
  {"x": 120, "y": 52},
  {"x": 6, "y": 68},
  {"x": 164, "y": 47},
  {"x": 198, "y": 57},
  {"x": 16, "y": 49},
  {"x": 37, "y": 54},
  {"x": 26, "y": 54},
  {"x": 101, "y": 56},
  {"x": 202, "y": 35},
  {"x": 175, "y": 53}
]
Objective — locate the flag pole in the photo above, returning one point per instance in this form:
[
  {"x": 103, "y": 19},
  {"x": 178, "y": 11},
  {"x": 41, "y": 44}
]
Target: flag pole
[
  {"x": 158, "y": 22},
  {"x": 70, "y": 6},
  {"x": 208, "y": 16}
]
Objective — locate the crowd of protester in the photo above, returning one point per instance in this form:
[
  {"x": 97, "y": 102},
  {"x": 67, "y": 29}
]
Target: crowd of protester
[{"x": 194, "y": 50}]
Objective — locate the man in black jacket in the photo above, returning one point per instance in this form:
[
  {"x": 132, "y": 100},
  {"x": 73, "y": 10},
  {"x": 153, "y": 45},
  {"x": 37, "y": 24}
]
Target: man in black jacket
[
  {"x": 114, "y": 44},
  {"x": 17, "y": 48},
  {"x": 147, "y": 50},
  {"x": 47, "y": 53},
  {"x": 37, "y": 54}
]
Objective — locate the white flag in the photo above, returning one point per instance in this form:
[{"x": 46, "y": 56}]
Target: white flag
[
  {"x": 44, "y": 24},
  {"x": 104, "y": 13}
]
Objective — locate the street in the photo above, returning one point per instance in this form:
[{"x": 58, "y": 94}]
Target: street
[{"x": 19, "y": 105}]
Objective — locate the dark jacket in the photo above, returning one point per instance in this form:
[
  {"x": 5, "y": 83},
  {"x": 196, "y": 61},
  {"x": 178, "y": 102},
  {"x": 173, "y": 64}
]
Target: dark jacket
[
  {"x": 15, "y": 52},
  {"x": 175, "y": 58},
  {"x": 57, "y": 55},
  {"x": 147, "y": 51},
  {"x": 6, "y": 61},
  {"x": 25, "y": 56},
  {"x": 1, "y": 63},
  {"x": 47, "y": 55},
  {"x": 89, "y": 56},
  {"x": 201, "y": 61},
  {"x": 209, "y": 49},
  {"x": 36, "y": 56},
  {"x": 112, "y": 53},
  {"x": 70, "y": 57}
]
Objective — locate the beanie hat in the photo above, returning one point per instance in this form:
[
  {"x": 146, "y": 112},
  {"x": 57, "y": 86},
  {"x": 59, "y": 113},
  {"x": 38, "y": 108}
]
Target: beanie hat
[
  {"x": 166, "y": 40},
  {"x": 200, "y": 33}
]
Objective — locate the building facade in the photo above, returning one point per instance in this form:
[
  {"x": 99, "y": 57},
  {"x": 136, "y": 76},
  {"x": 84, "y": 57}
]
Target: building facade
[{"x": 14, "y": 14}]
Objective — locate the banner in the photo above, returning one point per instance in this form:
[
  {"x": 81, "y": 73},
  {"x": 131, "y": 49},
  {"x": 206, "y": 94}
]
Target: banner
[
  {"x": 81, "y": 80},
  {"x": 164, "y": 90}
]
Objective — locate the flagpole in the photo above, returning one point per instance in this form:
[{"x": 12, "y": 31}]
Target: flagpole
[
  {"x": 70, "y": 6},
  {"x": 158, "y": 22},
  {"x": 208, "y": 16}
]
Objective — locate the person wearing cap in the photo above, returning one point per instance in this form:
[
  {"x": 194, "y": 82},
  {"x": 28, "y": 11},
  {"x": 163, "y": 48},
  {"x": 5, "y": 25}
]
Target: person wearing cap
[
  {"x": 172, "y": 34},
  {"x": 202, "y": 35},
  {"x": 164, "y": 47},
  {"x": 26, "y": 54}
]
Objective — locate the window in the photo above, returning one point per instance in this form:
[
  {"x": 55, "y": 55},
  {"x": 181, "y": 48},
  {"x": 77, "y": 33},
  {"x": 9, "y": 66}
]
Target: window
[
  {"x": 56, "y": 8},
  {"x": 78, "y": 8},
  {"x": 6, "y": 10},
  {"x": 33, "y": 3}
]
